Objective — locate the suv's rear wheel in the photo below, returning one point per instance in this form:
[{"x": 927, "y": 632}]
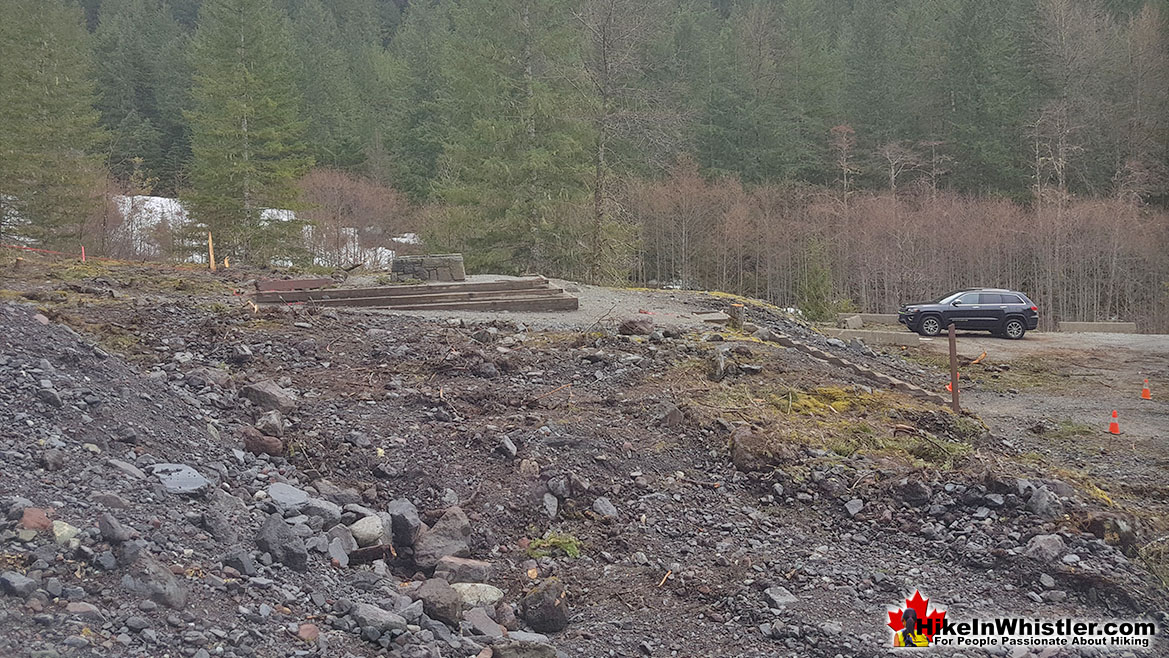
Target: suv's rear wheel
[
  {"x": 1014, "y": 328},
  {"x": 931, "y": 325}
]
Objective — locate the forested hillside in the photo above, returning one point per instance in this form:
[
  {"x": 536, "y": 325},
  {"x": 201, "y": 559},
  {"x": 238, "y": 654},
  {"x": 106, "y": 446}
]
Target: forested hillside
[{"x": 825, "y": 153}]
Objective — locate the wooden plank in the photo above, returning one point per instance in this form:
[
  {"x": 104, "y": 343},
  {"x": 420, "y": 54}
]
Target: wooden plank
[
  {"x": 274, "y": 285},
  {"x": 400, "y": 291},
  {"x": 441, "y": 298},
  {"x": 562, "y": 303}
]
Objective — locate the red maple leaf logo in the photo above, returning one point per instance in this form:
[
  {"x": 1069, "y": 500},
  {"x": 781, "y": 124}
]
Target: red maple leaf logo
[{"x": 931, "y": 623}]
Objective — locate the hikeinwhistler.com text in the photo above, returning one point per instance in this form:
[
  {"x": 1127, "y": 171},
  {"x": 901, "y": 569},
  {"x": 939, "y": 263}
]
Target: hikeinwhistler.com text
[{"x": 1017, "y": 631}]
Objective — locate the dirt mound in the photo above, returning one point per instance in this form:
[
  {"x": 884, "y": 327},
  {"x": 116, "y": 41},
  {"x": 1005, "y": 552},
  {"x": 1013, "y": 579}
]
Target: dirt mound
[{"x": 333, "y": 483}]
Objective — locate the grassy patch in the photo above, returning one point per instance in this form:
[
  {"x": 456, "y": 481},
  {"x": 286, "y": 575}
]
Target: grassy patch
[
  {"x": 1067, "y": 429},
  {"x": 1031, "y": 372},
  {"x": 554, "y": 543},
  {"x": 843, "y": 420},
  {"x": 79, "y": 271}
]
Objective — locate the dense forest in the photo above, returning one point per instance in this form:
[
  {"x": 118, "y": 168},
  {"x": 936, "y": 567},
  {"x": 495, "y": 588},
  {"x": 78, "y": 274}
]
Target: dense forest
[{"x": 821, "y": 153}]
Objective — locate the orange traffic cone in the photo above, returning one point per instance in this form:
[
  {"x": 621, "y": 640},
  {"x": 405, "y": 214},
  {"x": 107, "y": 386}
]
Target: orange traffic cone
[
  {"x": 950, "y": 386},
  {"x": 1146, "y": 394},
  {"x": 1114, "y": 426}
]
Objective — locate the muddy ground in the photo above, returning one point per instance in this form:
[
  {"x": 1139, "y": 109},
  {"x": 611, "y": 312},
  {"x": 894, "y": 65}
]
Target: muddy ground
[{"x": 778, "y": 511}]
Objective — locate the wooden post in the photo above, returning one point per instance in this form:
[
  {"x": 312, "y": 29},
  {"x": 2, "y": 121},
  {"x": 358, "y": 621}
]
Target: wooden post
[
  {"x": 738, "y": 316},
  {"x": 954, "y": 371},
  {"x": 82, "y": 253},
  {"x": 210, "y": 251}
]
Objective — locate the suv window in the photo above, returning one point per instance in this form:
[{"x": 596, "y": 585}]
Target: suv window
[
  {"x": 990, "y": 298},
  {"x": 1011, "y": 299},
  {"x": 969, "y": 298}
]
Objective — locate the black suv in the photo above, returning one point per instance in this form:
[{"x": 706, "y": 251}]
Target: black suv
[{"x": 1002, "y": 312}]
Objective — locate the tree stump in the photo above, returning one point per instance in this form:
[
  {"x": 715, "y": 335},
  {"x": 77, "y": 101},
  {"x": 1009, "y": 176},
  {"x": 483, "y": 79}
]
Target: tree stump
[{"x": 738, "y": 316}]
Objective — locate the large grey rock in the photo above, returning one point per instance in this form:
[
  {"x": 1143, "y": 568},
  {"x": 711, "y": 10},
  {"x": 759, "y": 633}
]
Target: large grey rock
[
  {"x": 407, "y": 526},
  {"x": 478, "y": 594},
  {"x": 463, "y": 570},
  {"x": 605, "y": 507},
  {"x": 146, "y": 576},
  {"x": 241, "y": 562},
  {"x": 344, "y": 536},
  {"x": 482, "y": 623},
  {"x": 328, "y": 512},
  {"x": 271, "y": 423},
  {"x": 545, "y": 608},
  {"x": 16, "y": 584},
  {"x": 1045, "y": 547},
  {"x": 278, "y": 540},
  {"x": 447, "y": 537},
  {"x": 111, "y": 530},
  {"x": 440, "y": 601},
  {"x": 180, "y": 478},
  {"x": 371, "y": 616},
  {"x": 1044, "y": 504},
  {"x": 267, "y": 395},
  {"x": 336, "y": 494},
  {"x": 854, "y": 506},
  {"x": 779, "y": 597},
  {"x": 287, "y": 496},
  {"x": 369, "y": 531},
  {"x": 338, "y": 553},
  {"x": 202, "y": 377},
  {"x": 220, "y": 527},
  {"x": 636, "y": 326}
]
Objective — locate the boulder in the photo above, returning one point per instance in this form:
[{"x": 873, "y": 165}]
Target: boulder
[
  {"x": 407, "y": 526},
  {"x": 440, "y": 601},
  {"x": 482, "y": 624},
  {"x": 268, "y": 395},
  {"x": 605, "y": 508},
  {"x": 111, "y": 530},
  {"x": 287, "y": 497},
  {"x": 147, "y": 577},
  {"x": 371, "y": 616},
  {"x": 545, "y": 608},
  {"x": 448, "y": 537},
  {"x": 1044, "y": 504},
  {"x": 755, "y": 451},
  {"x": 271, "y": 423},
  {"x": 328, "y": 512},
  {"x": 258, "y": 443},
  {"x": 779, "y": 597},
  {"x": 180, "y": 479},
  {"x": 636, "y": 326},
  {"x": 16, "y": 584},
  {"x": 278, "y": 540},
  {"x": 369, "y": 531},
  {"x": 478, "y": 594},
  {"x": 463, "y": 570},
  {"x": 1045, "y": 547}
]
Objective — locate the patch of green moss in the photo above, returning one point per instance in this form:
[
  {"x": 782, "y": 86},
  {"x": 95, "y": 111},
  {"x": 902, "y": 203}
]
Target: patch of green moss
[{"x": 552, "y": 543}]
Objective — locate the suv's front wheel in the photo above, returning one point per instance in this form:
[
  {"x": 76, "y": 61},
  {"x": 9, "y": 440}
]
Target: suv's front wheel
[
  {"x": 1014, "y": 328},
  {"x": 931, "y": 325}
]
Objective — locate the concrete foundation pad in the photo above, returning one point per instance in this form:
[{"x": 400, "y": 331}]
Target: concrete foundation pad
[
  {"x": 869, "y": 318},
  {"x": 1098, "y": 327},
  {"x": 903, "y": 338}
]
